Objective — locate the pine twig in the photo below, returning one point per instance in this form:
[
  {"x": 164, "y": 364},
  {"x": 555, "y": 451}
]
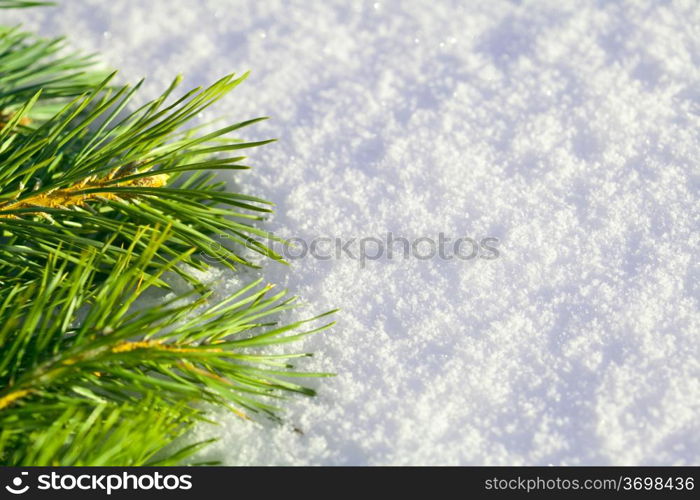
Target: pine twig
[{"x": 71, "y": 344}]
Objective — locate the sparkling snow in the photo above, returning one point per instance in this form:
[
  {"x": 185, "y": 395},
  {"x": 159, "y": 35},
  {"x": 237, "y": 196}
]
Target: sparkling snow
[{"x": 567, "y": 130}]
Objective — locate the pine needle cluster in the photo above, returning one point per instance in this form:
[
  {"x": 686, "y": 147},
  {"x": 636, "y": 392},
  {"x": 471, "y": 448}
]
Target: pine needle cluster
[{"x": 98, "y": 202}]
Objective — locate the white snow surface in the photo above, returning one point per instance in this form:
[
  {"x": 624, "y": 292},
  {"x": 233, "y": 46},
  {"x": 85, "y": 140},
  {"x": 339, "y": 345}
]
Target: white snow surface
[{"x": 567, "y": 130}]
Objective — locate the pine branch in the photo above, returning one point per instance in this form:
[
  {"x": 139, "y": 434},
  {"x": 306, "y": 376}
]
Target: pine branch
[
  {"x": 80, "y": 179},
  {"x": 29, "y": 64},
  {"x": 71, "y": 346},
  {"x": 86, "y": 378},
  {"x": 69, "y": 432}
]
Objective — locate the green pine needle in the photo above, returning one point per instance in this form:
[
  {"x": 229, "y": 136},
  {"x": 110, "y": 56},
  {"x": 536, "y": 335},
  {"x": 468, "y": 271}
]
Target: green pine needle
[
  {"x": 29, "y": 64},
  {"x": 69, "y": 432},
  {"x": 98, "y": 201},
  {"x": 90, "y": 173},
  {"x": 71, "y": 345},
  {"x": 20, "y": 4}
]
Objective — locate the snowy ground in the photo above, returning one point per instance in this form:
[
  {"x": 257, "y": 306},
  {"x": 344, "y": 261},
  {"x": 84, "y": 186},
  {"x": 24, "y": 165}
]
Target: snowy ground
[{"x": 567, "y": 130}]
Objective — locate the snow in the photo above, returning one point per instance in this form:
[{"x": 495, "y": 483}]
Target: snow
[{"x": 567, "y": 130}]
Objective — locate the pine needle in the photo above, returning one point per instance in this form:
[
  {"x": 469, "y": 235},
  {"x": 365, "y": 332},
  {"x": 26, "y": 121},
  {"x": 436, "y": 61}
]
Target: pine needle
[
  {"x": 71, "y": 342},
  {"x": 98, "y": 201}
]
